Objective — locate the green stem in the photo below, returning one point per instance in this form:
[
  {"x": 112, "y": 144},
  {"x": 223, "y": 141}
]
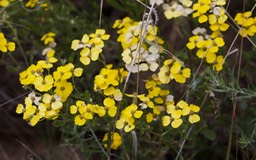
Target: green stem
[
  {"x": 73, "y": 83},
  {"x": 18, "y": 41},
  {"x": 102, "y": 59},
  {"x": 13, "y": 59}
]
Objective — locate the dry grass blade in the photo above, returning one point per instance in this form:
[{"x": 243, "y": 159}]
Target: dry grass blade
[
  {"x": 134, "y": 145},
  {"x": 1, "y": 105},
  {"x": 144, "y": 27},
  {"x": 27, "y": 148},
  {"x": 101, "y": 7}
]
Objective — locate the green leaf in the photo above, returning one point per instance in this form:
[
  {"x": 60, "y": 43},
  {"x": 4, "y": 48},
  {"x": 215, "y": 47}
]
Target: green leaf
[
  {"x": 209, "y": 134},
  {"x": 12, "y": 69},
  {"x": 59, "y": 123}
]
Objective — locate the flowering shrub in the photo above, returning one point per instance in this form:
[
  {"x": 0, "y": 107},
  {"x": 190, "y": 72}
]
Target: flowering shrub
[{"x": 148, "y": 89}]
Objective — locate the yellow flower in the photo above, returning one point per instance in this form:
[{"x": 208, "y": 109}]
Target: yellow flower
[
  {"x": 118, "y": 95},
  {"x": 186, "y": 72},
  {"x": 164, "y": 74},
  {"x": 176, "y": 113},
  {"x": 91, "y": 46},
  {"x": 219, "y": 27},
  {"x": 11, "y": 46},
  {"x": 45, "y": 64},
  {"x": 63, "y": 72},
  {"x": 84, "y": 112},
  {"x": 4, "y": 3},
  {"x": 63, "y": 89},
  {"x": 166, "y": 120},
  {"x": 217, "y": 19},
  {"x": 241, "y": 18},
  {"x": 194, "y": 118},
  {"x": 115, "y": 140},
  {"x": 31, "y": 3},
  {"x": 194, "y": 108},
  {"x": 34, "y": 120},
  {"x": 176, "y": 123},
  {"x": 219, "y": 2},
  {"x": 109, "y": 77},
  {"x": 77, "y": 44},
  {"x": 149, "y": 117},
  {"x": 99, "y": 35},
  {"x": 48, "y": 38},
  {"x": 173, "y": 11},
  {"x": 80, "y": 120},
  {"x": 247, "y": 22},
  {"x": 210, "y": 57},
  {"x": 84, "y": 56},
  {"x": 109, "y": 91},
  {"x": 101, "y": 111},
  {"x": 219, "y": 41},
  {"x": 192, "y": 42},
  {"x": 109, "y": 104},
  {"x": 73, "y": 109},
  {"x": 78, "y": 72},
  {"x": 200, "y": 8},
  {"x": 218, "y": 63},
  {"x": 20, "y": 109},
  {"x": 125, "y": 123},
  {"x": 5, "y": 45},
  {"x": 43, "y": 84},
  {"x": 50, "y": 106},
  {"x": 30, "y": 112},
  {"x": 175, "y": 67}
]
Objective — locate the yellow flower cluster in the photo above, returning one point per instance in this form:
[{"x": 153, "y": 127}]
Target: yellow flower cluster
[
  {"x": 175, "y": 113},
  {"x": 5, "y": 45},
  {"x": 115, "y": 139},
  {"x": 178, "y": 8},
  {"x": 156, "y": 99},
  {"x": 141, "y": 51},
  {"x": 138, "y": 58},
  {"x": 48, "y": 38},
  {"x": 207, "y": 47},
  {"x": 161, "y": 101},
  {"x": 212, "y": 11},
  {"x": 158, "y": 104},
  {"x": 203, "y": 7},
  {"x": 127, "y": 118},
  {"x": 38, "y": 76},
  {"x": 107, "y": 82},
  {"x": 217, "y": 20},
  {"x": 91, "y": 46},
  {"x": 36, "y": 108},
  {"x": 34, "y": 75},
  {"x": 36, "y": 3},
  {"x": 172, "y": 69},
  {"x": 247, "y": 23},
  {"x": 85, "y": 112}
]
